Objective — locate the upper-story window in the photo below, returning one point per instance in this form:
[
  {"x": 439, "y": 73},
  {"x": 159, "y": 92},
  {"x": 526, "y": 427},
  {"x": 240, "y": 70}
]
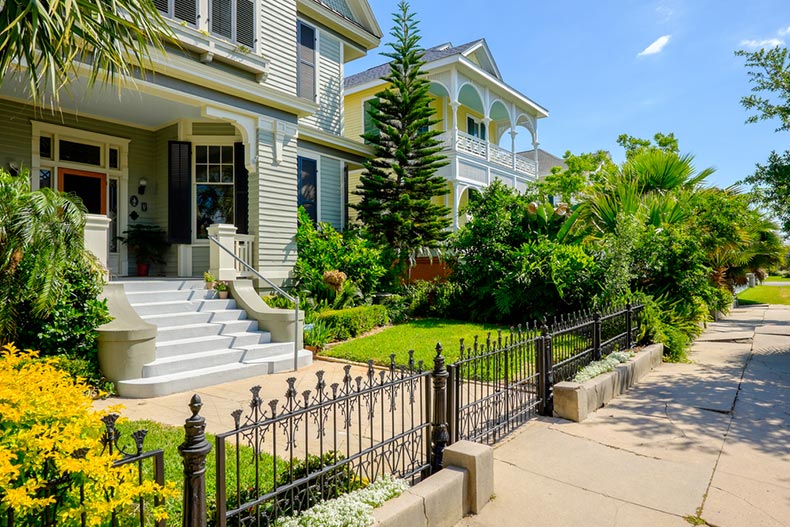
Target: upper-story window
[
  {"x": 475, "y": 128},
  {"x": 305, "y": 80},
  {"x": 230, "y": 19},
  {"x": 185, "y": 10},
  {"x": 234, "y": 20}
]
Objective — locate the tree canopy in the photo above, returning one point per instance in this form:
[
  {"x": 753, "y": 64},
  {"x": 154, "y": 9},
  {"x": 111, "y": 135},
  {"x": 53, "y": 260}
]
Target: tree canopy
[
  {"x": 399, "y": 183},
  {"x": 769, "y": 73},
  {"x": 46, "y": 43}
]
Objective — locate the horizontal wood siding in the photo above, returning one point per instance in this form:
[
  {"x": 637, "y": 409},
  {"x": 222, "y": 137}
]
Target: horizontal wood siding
[
  {"x": 169, "y": 133},
  {"x": 330, "y": 191},
  {"x": 353, "y": 113},
  {"x": 278, "y": 43},
  {"x": 200, "y": 259},
  {"x": 274, "y": 213},
  {"x": 213, "y": 128},
  {"x": 329, "y": 116}
]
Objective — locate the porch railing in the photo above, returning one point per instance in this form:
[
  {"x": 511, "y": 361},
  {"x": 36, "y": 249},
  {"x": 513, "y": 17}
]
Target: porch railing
[{"x": 462, "y": 142}]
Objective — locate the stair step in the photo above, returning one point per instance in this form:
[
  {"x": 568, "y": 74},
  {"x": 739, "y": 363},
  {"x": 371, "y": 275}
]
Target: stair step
[
  {"x": 230, "y": 328},
  {"x": 164, "y": 308},
  {"x": 226, "y": 315},
  {"x": 186, "y": 347},
  {"x": 216, "y": 304},
  {"x": 149, "y": 297},
  {"x": 285, "y": 361},
  {"x": 193, "y": 361},
  {"x": 177, "y": 319},
  {"x": 189, "y": 380},
  {"x": 137, "y": 286},
  {"x": 265, "y": 350}
]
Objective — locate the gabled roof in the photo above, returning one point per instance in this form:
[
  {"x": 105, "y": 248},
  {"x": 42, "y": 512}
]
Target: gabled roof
[
  {"x": 340, "y": 7},
  {"x": 352, "y": 19},
  {"x": 477, "y": 48},
  {"x": 546, "y": 161}
]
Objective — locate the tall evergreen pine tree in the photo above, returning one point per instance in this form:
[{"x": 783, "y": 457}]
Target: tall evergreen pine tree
[{"x": 399, "y": 182}]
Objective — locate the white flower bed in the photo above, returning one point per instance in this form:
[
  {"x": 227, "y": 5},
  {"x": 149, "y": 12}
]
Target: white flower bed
[
  {"x": 604, "y": 365},
  {"x": 354, "y": 509}
]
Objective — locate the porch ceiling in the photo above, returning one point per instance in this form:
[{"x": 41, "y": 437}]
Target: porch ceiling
[{"x": 127, "y": 105}]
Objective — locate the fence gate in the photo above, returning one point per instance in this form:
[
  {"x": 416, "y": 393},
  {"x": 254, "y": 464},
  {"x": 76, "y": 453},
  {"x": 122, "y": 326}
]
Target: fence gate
[{"x": 493, "y": 387}]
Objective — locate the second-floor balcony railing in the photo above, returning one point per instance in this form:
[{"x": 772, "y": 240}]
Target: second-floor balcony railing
[{"x": 459, "y": 141}]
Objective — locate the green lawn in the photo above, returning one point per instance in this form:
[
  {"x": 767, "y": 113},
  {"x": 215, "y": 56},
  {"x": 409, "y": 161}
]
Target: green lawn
[
  {"x": 765, "y": 294},
  {"x": 419, "y": 335},
  {"x": 777, "y": 279}
]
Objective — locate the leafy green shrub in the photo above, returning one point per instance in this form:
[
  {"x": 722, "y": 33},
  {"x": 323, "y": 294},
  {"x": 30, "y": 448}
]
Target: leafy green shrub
[
  {"x": 68, "y": 331},
  {"x": 432, "y": 299},
  {"x": 318, "y": 335},
  {"x": 321, "y": 249},
  {"x": 348, "y": 323},
  {"x": 397, "y": 308}
]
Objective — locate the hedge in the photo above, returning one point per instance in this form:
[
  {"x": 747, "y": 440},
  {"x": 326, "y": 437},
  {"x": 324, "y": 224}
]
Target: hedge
[{"x": 348, "y": 323}]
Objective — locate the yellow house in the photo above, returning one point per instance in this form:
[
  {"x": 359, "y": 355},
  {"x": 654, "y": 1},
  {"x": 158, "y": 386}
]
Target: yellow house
[{"x": 480, "y": 117}]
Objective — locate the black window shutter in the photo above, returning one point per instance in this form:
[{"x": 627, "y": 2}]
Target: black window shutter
[
  {"x": 179, "y": 192},
  {"x": 306, "y": 75},
  {"x": 241, "y": 188}
]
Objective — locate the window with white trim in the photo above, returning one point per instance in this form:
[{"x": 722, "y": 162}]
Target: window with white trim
[
  {"x": 214, "y": 192},
  {"x": 308, "y": 186},
  {"x": 475, "y": 127},
  {"x": 234, "y": 20},
  {"x": 183, "y": 10}
]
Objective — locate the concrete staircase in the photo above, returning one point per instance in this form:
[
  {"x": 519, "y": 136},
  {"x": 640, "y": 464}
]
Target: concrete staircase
[{"x": 201, "y": 340}]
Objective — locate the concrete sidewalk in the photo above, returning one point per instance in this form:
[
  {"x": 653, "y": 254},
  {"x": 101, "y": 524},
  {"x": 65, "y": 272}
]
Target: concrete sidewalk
[{"x": 710, "y": 439}]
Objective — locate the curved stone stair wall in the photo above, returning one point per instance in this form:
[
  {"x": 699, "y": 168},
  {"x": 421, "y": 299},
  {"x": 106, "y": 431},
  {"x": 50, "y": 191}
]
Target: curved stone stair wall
[{"x": 201, "y": 340}]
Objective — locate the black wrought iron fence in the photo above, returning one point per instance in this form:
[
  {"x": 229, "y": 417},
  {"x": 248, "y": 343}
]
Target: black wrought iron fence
[
  {"x": 323, "y": 442},
  {"x": 131, "y": 454},
  {"x": 493, "y": 387}
]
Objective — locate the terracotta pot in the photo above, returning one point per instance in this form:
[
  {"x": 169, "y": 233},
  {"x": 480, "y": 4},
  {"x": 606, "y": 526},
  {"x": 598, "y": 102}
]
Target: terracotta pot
[
  {"x": 222, "y": 295},
  {"x": 210, "y": 285},
  {"x": 142, "y": 269},
  {"x": 314, "y": 349}
]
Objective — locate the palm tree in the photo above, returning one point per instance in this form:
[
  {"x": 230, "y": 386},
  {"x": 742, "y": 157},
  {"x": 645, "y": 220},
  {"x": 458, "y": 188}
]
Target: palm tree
[
  {"x": 48, "y": 42},
  {"x": 41, "y": 234}
]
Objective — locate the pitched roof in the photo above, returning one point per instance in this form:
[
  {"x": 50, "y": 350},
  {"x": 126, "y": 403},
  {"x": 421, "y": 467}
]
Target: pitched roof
[
  {"x": 546, "y": 161},
  {"x": 340, "y": 7},
  {"x": 431, "y": 54}
]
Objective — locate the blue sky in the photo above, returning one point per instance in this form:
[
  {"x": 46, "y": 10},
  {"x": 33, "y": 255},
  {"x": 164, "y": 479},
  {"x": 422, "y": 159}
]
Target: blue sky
[{"x": 581, "y": 60}]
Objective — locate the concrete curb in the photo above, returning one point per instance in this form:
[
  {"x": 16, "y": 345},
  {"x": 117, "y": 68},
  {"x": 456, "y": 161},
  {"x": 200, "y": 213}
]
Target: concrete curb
[
  {"x": 464, "y": 485},
  {"x": 574, "y": 401}
]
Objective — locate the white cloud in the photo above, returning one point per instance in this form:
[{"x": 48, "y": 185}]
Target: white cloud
[
  {"x": 784, "y": 32},
  {"x": 655, "y": 47},
  {"x": 766, "y": 43}
]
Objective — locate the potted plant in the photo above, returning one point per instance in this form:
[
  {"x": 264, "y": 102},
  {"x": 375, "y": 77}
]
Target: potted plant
[
  {"x": 222, "y": 289},
  {"x": 147, "y": 243},
  {"x": 209, "y": 279}
]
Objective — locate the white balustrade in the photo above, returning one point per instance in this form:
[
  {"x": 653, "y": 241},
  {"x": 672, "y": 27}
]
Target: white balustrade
[
  {"x": 526, "y": 166},
  {"x": 244, "y": 249},
  {"x": 471, "y": 144},
  {"x": 500, "y": 156}
]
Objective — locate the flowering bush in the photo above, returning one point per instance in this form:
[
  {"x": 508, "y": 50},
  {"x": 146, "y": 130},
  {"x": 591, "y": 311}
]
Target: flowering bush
[
  {"x": 608, "y": 363},
  {"x": 354, "y": 509},
  {"x": 50, "y": 448}
]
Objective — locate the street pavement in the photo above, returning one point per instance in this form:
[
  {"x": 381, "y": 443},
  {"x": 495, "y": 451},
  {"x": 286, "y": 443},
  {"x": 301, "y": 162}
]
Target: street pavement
[{"x": 707, "y": 440}]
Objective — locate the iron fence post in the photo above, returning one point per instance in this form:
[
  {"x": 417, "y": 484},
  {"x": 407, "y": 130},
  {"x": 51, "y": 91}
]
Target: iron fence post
[
  {"x": 628, "y": 325},
  {"x": 194, "y": 450},
  {"x": 439, "y": 432},
  {"x": 597, "y": 336},
  {"x": 452, "y": 404},
  {"x": 543, "y": 365}
]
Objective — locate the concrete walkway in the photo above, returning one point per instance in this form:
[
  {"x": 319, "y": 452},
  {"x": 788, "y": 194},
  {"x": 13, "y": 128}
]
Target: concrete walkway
[{"x": 707, "y": 439}]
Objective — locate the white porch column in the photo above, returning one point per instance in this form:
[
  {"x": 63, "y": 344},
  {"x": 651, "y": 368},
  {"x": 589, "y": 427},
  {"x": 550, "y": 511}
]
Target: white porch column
[
  {"x": 487, "y": 123},
  {"x": 457, "y": 197},
  {"x": 513, "y": 135},
  {"x": 222, "y": 264},
  {"x": 96, "y": 228},
  {"x": 535, "y": 145},
  {"x": 454, "y": 105}
]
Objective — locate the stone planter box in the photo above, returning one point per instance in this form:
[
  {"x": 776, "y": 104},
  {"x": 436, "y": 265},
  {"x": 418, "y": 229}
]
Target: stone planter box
[
  {"x": 464, "y": 485},
  {"x": 574, "y": 401}
]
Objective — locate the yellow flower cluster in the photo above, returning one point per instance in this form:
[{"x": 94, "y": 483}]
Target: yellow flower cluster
[{"x": 49, "y": 432}]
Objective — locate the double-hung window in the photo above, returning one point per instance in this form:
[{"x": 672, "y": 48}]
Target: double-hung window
[
  {"x": 184, "y": 10},
  {"x": 234, "y": 20},
  {"x": 308, "y": 186},
  {"x": 214, "y": 191}
]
